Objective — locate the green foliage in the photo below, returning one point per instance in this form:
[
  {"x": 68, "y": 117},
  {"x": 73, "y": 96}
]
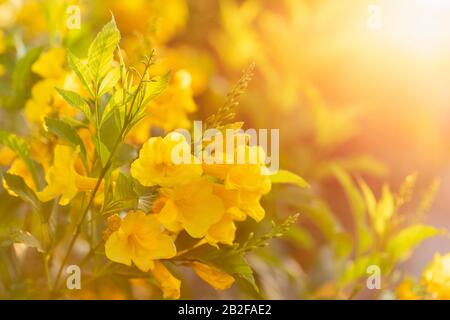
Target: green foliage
[
  {"x": 22, "y": 79},
  {"x": 18, "y": 186},
  {"x": 402, "y": 244},
  {"x": 82, "y": 71},
  {"x": 358, "y": 207},
  {"x": 66, "y": 132},
  {"x": 76, "y": 101},
  {"x": 20, "y": 147},
  {"x": 390, "y": 242},
  {"x": 124, "y": 196},
  {"x": 231, "y": 259},
  {"x": 24, "y": 237},
  {"x": 100, "y": 54},
  {"x": 285, "y": 176}
]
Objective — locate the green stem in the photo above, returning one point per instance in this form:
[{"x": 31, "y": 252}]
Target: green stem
[
  {"x": 106, "y": 168},
  {"x": 86, "y": 210}
]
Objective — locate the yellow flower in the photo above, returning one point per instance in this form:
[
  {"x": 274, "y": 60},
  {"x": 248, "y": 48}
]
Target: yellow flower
[
  {"x": 405, "y": 291},
  {"x": 192, "y": 207},
  {"x": 170, "y": 18},
  {"x": 2, "y": 44},
  {"x": 45, "y": 100},
  {"x": 50, "y": 64},
  {"x": 436, "y": 277},
  {"x": 40, "y": 154},
  {"x": 248, "y": 177},
  {"x": 157, "y": 162},
  {"x": 6, "y": 156},
  {"x": 31, "y": 17},
  {"x": 244, "y": 169},
  {"x": 19, "y": 168},
  {"x": 215, "y": 277},
  {"x": 141, "y": 240},
  {"x": 62, "y": 178},
  {"x": 244, "y": 179},
  {"x": 223, "y": 231},
  {"x": 170, "y": 285},
  {"x": 114, "y": 222},
  {"x": 41, "y": 97},
  {"x": 238, "y": 204}
]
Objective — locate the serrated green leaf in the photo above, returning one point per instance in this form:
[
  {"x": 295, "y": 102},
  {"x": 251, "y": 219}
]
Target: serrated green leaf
[
  {"x": 22, "y": 79},
  {"x": 109, "y": 81},
  {"x": 82, "y": 71},
  {"x": 19, "y": 146},
  {"x": 102, "y": 150},
  {"x": 236, "y": 265},
  {"x": 124, "y": 188},
  {"x": 285, "y": 176},
  {"x": 401, "y": 245},
  {"x": 67, "y": 133},
  {"x": 115, "y": 206},
  {"x": 155, "y": 87},
  {"x": 233, "y": 263},
  {"x": 358, "y": 206},
  {"x": 76, "y": 101},
  {"x": 20, "y": 188},
  {"x": 358, "y": 268},
  {"x": 125, "y": 154},
  {"x": 100, "y": 54},
  {"x": 26, "y": 238}
]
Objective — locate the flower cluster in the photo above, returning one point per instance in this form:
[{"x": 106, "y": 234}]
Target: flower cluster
[
  {"x": 92, "y": 152},
  {"x": 202, "y": 200},
  {"x": 434, "y": 282}
]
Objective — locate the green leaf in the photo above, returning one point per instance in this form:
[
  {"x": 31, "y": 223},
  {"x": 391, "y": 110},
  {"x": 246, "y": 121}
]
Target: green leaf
[
  {"x": 236, "y": 265},
  {"x": 100, "y": 54},
  {"x": 20, "y": 236},
  {"x": 102, "y": 150},
  {"x": 125, "y": 154},
  {"x": 358, "y": 207},
  {"x": 109, "y": 81},
  {"x": 228, "y": 260},
  {"x": 124, "y": 188},
  {"x": 22, "y": 79},
  {"x": 19, "y": 187},
  {"x": 301, "y": 237},
  {"x": 400, "y": 246},
  {"x": 358, "y": 268},
  {"x": 320, "y": 215},
  {"x": 82, "y": 71},
  {"x": 67, "y": 133},
  {"x": 109, "y": 133},
  {"x": 76, "y": 101},
  {"x": 155, "y": 87},
  {"x": 19, "y": 146},
  {"x": 342, "y": 244},
  {"x": 354, "y": 164},
  {"x": 284, "y": 176}
]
